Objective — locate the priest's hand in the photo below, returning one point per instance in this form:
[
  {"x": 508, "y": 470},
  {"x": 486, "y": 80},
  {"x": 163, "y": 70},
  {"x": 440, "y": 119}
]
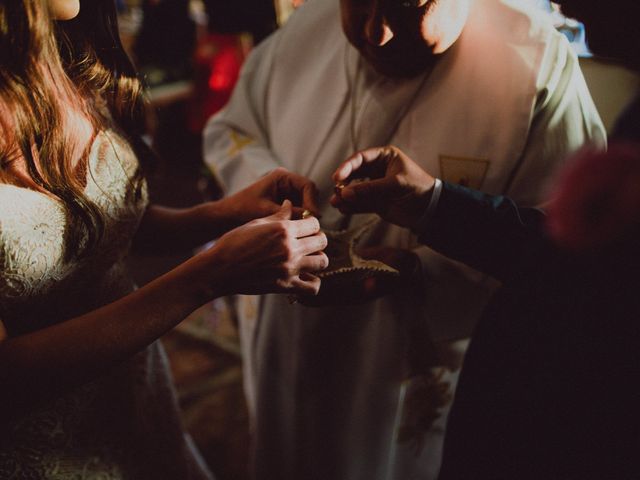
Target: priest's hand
[
  {"x": 385, "y": 181},
  {"x": 265, "y": 196}
]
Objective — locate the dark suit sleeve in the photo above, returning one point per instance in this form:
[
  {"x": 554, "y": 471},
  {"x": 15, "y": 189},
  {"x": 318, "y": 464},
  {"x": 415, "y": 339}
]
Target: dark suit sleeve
[{"x": 489, "y": 233}]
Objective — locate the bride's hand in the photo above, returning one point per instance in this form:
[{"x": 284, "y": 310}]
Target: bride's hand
[
  {"x": 274, "y": 254},
  {"x": 265, "y": 196}
]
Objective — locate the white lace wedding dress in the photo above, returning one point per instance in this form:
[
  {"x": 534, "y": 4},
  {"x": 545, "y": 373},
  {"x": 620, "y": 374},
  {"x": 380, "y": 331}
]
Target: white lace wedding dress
[{"x": 123, "y": 425}]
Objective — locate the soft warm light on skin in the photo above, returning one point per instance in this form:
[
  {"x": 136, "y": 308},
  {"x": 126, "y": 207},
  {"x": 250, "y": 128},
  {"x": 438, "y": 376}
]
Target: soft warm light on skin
[
  {"x": 402, "y": 38},
  {"x": 444, "y": 24},
  {"x": 441, "y": 26},
  {"x": 64, "y": 9}
]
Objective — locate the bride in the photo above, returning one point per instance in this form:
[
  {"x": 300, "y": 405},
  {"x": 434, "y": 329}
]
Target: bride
[{"x": 84, "y": 386}]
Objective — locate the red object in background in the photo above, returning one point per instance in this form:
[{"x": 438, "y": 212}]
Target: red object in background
[
  {"x": 596, "y": 199},
  {"x": 217, "y": 62}
]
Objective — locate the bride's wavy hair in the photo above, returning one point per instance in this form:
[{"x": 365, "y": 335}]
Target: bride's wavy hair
[{"x": 48, "y": 68}]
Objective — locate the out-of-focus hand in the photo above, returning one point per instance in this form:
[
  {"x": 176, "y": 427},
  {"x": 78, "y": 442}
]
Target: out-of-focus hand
[
  {"x": 274, "y": 254},
  {"x": 265, "y": 196},
  {"x": 394, "y": 186}
]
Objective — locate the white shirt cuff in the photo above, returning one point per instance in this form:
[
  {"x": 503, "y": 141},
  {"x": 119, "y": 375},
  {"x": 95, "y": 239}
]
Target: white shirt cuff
[{"x": 431, "y": 207}]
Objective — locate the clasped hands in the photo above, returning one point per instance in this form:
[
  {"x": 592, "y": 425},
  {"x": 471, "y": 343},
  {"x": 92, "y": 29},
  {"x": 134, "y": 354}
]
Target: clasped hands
[{"x": 278, "y": 251}]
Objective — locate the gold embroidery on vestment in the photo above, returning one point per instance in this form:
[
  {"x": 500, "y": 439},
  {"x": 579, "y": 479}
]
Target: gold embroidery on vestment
[
  {"x": 238, "y": 142},
  {"x": 468, "y": 172}
]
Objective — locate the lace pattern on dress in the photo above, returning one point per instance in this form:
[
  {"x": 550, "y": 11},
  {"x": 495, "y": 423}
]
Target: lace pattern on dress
[{"x": 123, "y": 425}]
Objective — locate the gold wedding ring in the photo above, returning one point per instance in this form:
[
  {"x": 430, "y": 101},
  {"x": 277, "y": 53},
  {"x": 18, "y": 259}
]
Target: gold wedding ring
[{"x": 307, "y": 214}]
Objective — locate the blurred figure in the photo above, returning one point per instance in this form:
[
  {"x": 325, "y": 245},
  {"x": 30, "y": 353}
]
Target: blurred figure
[
  {"x": 217, "y": 62},
  {"x": 232, "y": 30},
  {"x": 284, "y": 9},
  {"x": 165, "y": 42},
  {"x": 484, "y": 92},
  {"x": 257, "y": 17}
]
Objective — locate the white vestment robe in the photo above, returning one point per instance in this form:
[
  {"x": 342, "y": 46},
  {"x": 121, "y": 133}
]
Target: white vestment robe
[{"x": 499, "y": 112}]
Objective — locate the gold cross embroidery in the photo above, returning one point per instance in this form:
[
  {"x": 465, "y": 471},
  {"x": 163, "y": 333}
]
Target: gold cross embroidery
[{"x": 238, "y": 142}]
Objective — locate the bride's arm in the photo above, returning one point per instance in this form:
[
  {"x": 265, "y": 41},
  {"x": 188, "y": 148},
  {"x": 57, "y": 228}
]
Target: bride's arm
[
  {"x": 266, "y": 255},
  {"x": 169, "y": 229}
]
